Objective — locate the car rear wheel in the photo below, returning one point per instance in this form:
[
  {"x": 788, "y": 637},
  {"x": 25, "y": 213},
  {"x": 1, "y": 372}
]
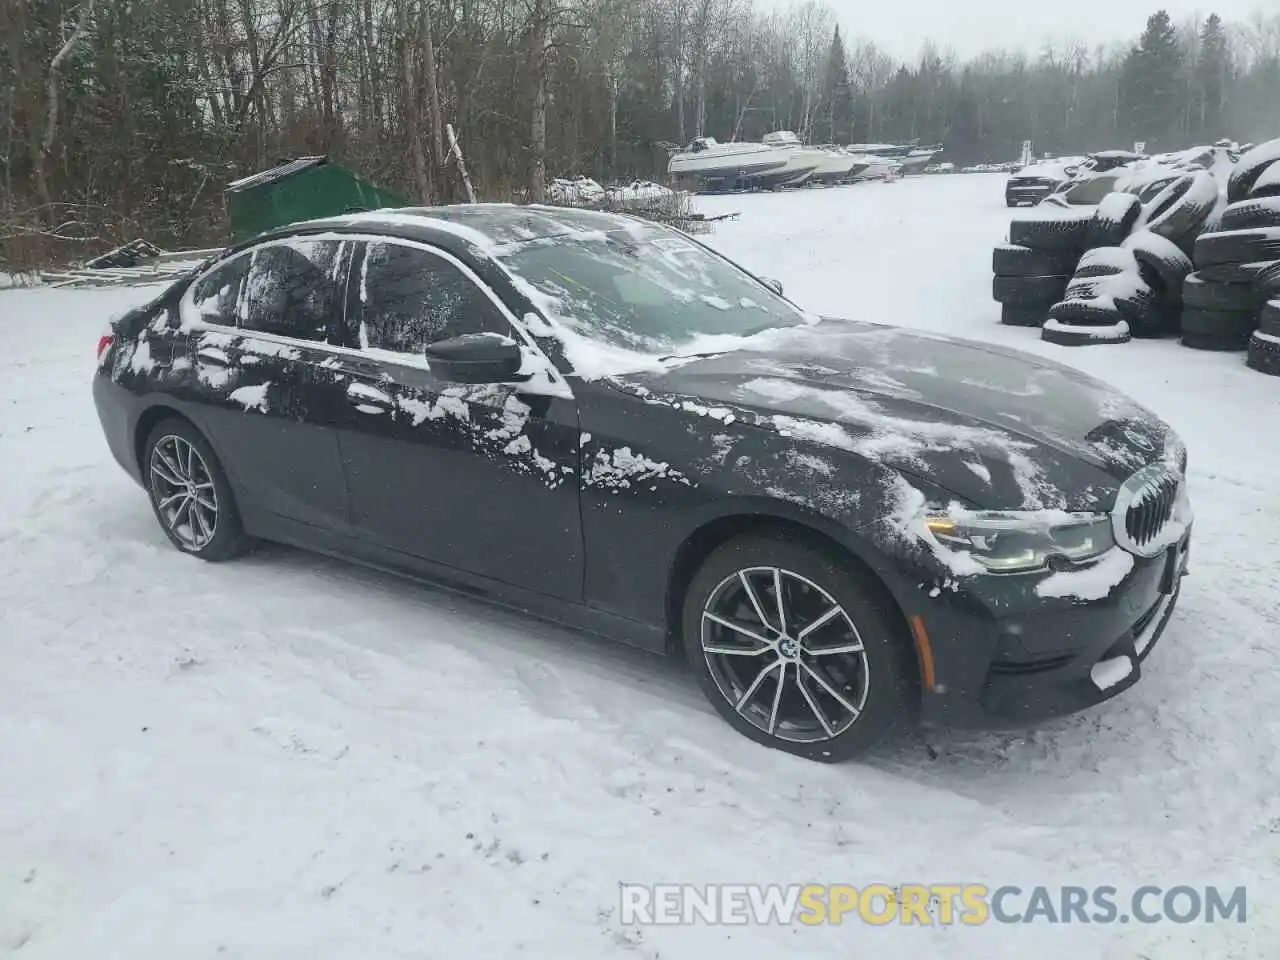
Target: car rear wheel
[
  {"x": 794, "y": 651},
  {"x": 190, "y": 494}
]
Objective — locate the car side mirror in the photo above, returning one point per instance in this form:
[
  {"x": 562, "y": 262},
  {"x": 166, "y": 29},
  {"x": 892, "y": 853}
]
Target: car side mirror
[
  {"x": 476, "y": 358},
  {"x": 772, "y": 284}
]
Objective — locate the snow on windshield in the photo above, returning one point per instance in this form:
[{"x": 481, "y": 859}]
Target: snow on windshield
[{"x": 622, "y": 299}]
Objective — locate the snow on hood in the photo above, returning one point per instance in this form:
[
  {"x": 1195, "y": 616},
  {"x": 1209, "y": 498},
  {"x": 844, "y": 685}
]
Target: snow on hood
[
  {"x": 1000, "y": 429},
  {"x": 1056, "y": 168}
]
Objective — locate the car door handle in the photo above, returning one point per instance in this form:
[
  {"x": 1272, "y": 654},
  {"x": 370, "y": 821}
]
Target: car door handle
[
  {"x": 214, "y": 357},
  {"x": 368, "y": 399}
]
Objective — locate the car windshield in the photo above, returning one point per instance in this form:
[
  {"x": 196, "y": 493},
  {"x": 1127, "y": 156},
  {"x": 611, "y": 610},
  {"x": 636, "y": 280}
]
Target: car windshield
[{"x": 646, "y": 290}]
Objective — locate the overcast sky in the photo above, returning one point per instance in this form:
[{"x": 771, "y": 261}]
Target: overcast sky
[{"x": 971, "y": 26}]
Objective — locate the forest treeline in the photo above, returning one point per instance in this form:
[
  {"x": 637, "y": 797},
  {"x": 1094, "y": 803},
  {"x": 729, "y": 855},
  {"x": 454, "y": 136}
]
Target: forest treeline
[{"x": 124, "y": 118}]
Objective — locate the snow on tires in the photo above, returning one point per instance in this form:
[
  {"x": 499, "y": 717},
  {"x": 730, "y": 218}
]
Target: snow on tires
[
  {"x": 1252, "y": 165},
  {"x": 1181, "y": 208},
  {"x": 1114, "y": 219},
  {"x": 1251, "y": 213}
]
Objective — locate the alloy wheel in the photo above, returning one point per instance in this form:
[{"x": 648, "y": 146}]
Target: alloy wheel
[
  {"x": 785, "y": 654},
  {"x": 184, "y": 493}
]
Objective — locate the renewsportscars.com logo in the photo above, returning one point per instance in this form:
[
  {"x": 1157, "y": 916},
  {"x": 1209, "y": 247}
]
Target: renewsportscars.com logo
[{"x": 918, "y": 904}]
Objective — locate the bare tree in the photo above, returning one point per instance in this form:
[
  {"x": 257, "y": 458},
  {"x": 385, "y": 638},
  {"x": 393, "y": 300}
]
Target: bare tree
[{"x": 53, "y": 77}]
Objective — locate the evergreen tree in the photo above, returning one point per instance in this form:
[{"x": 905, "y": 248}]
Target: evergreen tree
[
  {"x": 1151, "y": 92},
  {"x": 1212, "y": 72},
  {"x": 964, "y": 140},
  {"x": 838, "y": 93}
]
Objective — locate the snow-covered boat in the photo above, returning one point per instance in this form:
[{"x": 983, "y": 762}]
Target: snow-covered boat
[
  {"x": 837, "y": 166},
  {"x": 911, "y": 157},
  {"x": 707, "y": 164},
  {"x": 780, "y": 159},
  {"x": 869, "y": 166},
  {"x": 801, "y": 161}
]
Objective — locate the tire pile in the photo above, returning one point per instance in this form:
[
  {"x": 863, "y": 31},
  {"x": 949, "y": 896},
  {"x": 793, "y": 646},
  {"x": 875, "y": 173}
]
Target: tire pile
[
  {"x": 1033, "y": 270},
  {"x": 1130, "y": 283},
  {"x": 1238, "y": 264},
  {"x": 1165, "y": 253}
]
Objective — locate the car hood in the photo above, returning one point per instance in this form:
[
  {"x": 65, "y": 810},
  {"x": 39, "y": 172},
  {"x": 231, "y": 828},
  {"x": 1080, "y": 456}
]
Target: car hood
[
  {"x": 1049, "y": 170},
  {"x": 999, "y": 428}
]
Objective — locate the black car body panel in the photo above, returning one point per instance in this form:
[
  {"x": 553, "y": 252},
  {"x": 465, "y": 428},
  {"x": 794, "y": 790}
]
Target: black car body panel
[
  {"x": 587, "y": 505},
  {"x": 1029, "y": 190}
]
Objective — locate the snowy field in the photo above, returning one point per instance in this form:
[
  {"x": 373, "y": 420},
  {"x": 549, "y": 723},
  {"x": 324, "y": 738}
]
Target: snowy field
[{"x": 291, "y": 757}]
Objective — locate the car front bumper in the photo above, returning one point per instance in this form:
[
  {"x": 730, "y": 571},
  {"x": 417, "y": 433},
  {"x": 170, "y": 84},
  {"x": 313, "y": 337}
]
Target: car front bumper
[{"x": 1002, "y": 656}]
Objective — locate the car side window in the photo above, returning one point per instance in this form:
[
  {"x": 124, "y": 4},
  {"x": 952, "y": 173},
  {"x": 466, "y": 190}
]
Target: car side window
[
  {"x": 216, "y": 294},
  {"x": 292, "y": 289},
  {"x": 410, "y": 298}
]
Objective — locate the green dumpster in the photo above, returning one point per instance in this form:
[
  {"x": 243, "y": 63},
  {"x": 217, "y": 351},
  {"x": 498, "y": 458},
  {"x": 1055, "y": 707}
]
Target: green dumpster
[{"x": 300, "y": 189}]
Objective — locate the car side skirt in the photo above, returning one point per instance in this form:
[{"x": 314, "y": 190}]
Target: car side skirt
[{"x": 577, "y": 616}]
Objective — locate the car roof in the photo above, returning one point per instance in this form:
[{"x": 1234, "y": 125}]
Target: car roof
[{"x": 465, "y": 229}]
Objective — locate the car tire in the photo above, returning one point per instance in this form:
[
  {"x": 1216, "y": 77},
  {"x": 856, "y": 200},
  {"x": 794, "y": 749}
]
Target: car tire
[
  {"x": 1068, "y": 231},
  {"x": 1028, "y": 291},
  {"x": 1105, "y": 262},
  {"x": 1146, "y": 189},
  {"x": 1260, "y": 273},
  {"x": 881, "y": 677},
  {"x": 1181, "y": 208},
  {"x": 1070, "y": 334},
  {"x": 1217, "y": 329},
  {"x": 178, "y": 463},
  {"x": 1163, "y": 258},
  {"x": 1113, "y": 220},
  {"x": 1237, "y": 246},
  {"x": 1011, "y": 260},
  {"x": 1252, "y": 165},
  {"x": 1269, "y": 318},
  {"x": 1264, "y": 353},
  {"x": 1252, "y": 214},
  {"x": 1130, "y": 296},
  {"x": 1268, "y": 183},
  {"x": 1214, "y": 296},
  {"x": 1267, "y": 281},
  {"x": 1012, "y": 315}
]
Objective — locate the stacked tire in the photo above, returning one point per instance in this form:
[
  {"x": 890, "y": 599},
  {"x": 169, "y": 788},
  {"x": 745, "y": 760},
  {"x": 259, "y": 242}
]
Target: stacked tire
[
  {"x": 1238, "y": 264},
  {"x": 1032, "y": 270},
  {"x": 1264, "y": 344},
  {"x": 1130, "y": 283}
]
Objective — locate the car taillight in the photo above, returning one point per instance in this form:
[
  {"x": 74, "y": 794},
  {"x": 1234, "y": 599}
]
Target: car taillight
[{"x": 104, "y": 341}]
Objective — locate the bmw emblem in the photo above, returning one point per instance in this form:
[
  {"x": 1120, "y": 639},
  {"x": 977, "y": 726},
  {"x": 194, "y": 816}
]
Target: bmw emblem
[{"x": 1139, "y": 439}]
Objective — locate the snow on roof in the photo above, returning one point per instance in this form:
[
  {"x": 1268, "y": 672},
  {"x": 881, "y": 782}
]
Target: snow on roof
[
  {"x": 278, "y": 172},
  {"x": 410, "y": 216}
]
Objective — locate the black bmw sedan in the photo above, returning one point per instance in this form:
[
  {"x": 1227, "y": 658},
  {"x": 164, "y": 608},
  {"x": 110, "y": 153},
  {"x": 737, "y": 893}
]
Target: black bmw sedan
[{"x": 845, "y": 527}]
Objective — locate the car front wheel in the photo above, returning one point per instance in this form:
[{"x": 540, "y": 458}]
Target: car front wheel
[
  {"x": 794, "y": 650},
  {"x": 190, "y": 494}
]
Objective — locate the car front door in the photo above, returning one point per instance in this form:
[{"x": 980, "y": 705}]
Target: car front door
[
  {"x": 263, "y": 377},
  {"x": 477, "y": 477}
]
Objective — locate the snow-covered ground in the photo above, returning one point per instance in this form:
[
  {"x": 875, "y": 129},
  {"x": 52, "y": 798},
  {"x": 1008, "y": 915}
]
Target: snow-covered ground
[{"x": 287, "y": 756}]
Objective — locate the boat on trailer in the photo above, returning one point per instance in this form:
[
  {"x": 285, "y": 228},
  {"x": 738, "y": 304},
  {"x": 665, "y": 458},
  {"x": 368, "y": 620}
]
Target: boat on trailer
[
  {"x": 780, "y": 159},
  {"x": 707, "y": 164}
]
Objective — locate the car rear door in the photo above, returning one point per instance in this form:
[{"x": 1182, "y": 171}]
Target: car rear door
[
  {"x": 268, "y": 394},
  {"x": 481, "y": 478}
]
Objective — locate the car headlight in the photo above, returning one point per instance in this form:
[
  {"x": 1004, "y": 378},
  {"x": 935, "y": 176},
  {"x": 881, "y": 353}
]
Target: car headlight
[
  {"x": 1016, "y": 542},
  {"x": 1175, "y": 452}
]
